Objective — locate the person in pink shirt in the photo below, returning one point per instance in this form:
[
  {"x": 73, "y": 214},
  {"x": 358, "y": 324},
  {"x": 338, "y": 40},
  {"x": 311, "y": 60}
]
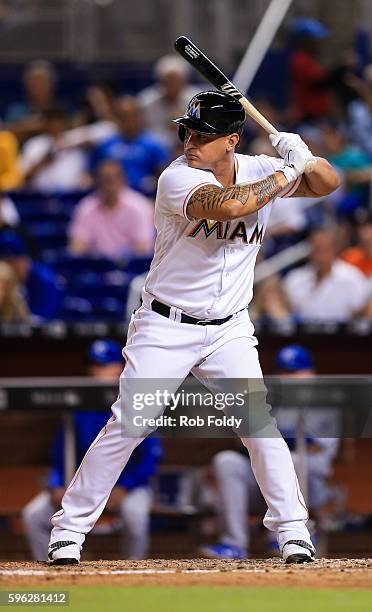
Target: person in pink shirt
[{"x": 113, "y": 221}]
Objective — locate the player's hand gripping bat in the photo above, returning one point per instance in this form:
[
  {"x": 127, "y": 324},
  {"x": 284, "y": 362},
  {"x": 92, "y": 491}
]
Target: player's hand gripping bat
[{"x": 218, "y": 79}]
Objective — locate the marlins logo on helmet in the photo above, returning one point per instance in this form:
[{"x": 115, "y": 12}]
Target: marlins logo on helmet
[{"x": 194, "y": 108}]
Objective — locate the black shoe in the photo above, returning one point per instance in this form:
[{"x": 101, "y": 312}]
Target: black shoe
[
  {"x": 298, "y": 551},
  {"x": 64, "y": 553}
]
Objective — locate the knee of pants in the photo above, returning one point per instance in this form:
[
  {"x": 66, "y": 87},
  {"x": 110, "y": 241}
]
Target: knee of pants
[
  {"x": 28, "y": 516},
  {"x": 32, "y": 516},
  {"x": 136, "y": 522},
  {"x": 135, "y": 511},
  {"x": 229, "y": 461}
]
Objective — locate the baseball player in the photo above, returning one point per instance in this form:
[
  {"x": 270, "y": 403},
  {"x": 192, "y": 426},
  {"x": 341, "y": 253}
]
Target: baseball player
[
  {"x": 236, "y": 485},
  {"x": 131, "y": 497},
  {"x": 212, "y": 209}
]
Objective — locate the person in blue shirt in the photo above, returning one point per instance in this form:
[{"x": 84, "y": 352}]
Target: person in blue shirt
[
  {"x": 142, "y": 154},
  {"x": 38, "y": 282},
  {"x": 131, "y": 497}
]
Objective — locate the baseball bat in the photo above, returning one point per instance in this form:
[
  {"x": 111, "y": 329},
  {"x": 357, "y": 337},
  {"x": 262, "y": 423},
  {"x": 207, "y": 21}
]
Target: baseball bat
[{"x": 218, "y": 79}]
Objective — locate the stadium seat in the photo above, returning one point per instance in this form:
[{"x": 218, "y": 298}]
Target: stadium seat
[
  {"x": 109, "y": 308},
  {"x": 29, "y": 215},
  {"x": 138, "y": 265},
  {"x": 76, "y": 309},
  {"x": 71, "y": 266},
  {"x": 49, "y": 235},
  {"x": 96, "y": 291}
]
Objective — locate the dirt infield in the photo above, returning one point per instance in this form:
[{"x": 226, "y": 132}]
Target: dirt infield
[{"x": 323, "y": 573}]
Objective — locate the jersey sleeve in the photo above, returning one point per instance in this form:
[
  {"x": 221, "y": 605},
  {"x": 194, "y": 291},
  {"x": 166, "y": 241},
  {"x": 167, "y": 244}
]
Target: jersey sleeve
[
  {"x": 273, "y": 164},
  {"x": 177, "y": 185}
]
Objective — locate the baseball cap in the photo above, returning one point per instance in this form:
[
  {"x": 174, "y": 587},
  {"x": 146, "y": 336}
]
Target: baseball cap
[
  {"x": 305, "y": 26},
  {"x": 293, "y": 358},
  {"x": 103, "y": 352}
]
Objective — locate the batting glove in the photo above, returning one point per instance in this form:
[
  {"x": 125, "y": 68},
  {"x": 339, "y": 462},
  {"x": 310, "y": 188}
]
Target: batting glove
[
  {"x": 295, "y": 153},
  {"x": 284, "y": 142}
]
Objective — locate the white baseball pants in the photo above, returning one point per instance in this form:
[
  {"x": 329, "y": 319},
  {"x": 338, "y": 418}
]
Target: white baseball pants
[{"x": 161, "y": 348}]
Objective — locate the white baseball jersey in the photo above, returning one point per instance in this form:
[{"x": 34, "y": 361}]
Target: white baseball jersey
[{"x": 204, "y": 267}]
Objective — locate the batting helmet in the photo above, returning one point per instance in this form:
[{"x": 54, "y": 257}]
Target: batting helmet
[
  {"x": 103, "y": 352},
  {"x": 293, "y": 358},
  {"x": 212, "y": 112}
]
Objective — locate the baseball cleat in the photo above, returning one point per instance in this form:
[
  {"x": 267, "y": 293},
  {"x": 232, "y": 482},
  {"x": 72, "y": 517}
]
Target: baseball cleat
[
  {"x": 222, "y": 551},
  {"x": 64, "y": 553},
  {"x": 298, "y": 551}
]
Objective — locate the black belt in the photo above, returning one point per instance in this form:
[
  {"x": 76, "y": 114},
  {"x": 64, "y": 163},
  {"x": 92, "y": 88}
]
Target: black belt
[{"x": 165, "y": 310}]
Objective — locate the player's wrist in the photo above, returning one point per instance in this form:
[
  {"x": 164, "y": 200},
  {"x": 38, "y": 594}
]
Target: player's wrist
[{"x": 290, "y": 173}]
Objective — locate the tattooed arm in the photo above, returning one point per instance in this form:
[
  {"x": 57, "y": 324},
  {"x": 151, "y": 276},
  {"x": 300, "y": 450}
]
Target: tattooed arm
[{"x": 221, "y": 203}]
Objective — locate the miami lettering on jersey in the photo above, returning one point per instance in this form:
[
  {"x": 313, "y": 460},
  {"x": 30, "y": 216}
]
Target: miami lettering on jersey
[{"x": 227, "y": 230}]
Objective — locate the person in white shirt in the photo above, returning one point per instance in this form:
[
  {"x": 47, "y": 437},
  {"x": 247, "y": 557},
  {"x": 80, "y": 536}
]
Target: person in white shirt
[
  {"x": 211, "y": 212},
  {"x": 326, "y": 289},
  {"x": 47, "y": 166}
]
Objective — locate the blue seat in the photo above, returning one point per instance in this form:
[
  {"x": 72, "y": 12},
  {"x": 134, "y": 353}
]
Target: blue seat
[
  {"x": 71, "y": 266},
  {"x": 34, "y": 217},
  {"x": 138, "y": 265},
  {"x": 36, "y": 207},
  {"x": 49, "y": 234},
  {"x": 97, "y": 292},
  {"x": 109, "y": 308},
  {"x": 26, "y": 196},
  {"x": 95, "y": 302},
  {"x": 76, "y": 309}
]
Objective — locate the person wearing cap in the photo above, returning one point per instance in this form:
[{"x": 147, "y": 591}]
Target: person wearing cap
[
  {"x": 211, "y": 213},
  {"x": 309, "y": 79},
  {"x": 237, "y": 490},
  {"x": 321, "y": 427},
  {"x": 39, "y": 285},
  {"x": 130, "y": 499},
  {"x": 166, "y": 98}
]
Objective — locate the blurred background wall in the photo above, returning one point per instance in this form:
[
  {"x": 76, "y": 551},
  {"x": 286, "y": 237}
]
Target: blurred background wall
[{"x": 91, "y": 30}]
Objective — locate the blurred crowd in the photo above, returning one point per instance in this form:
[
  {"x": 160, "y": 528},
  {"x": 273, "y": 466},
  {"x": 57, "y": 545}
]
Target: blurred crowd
[{"x": 80, "y": 183}]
